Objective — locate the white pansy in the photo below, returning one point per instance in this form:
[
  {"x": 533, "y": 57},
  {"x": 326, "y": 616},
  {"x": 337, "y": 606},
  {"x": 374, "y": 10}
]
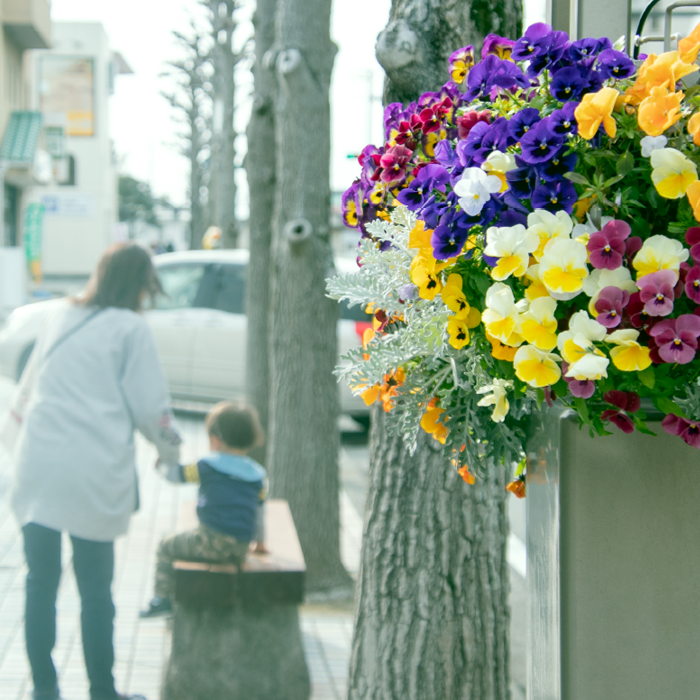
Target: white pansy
[
  {"x": 499, "y": 162},
  {"x": 475, "y": 189},
  {"x": 563, "y": 268},
  {"x": 512, "y": 246},
  {"x": 496, "y": 398},
  {"x": 582, "y": 232},
  {"x": 651, "y": 144},
  {"x": 548, "y": 226}
]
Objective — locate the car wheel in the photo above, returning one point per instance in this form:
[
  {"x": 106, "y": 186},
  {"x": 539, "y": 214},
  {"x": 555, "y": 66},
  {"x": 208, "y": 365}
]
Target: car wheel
[{"x": 23, "y": 359}]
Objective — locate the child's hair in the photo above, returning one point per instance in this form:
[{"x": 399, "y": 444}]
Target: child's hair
[{"x": 236, "y": 424}]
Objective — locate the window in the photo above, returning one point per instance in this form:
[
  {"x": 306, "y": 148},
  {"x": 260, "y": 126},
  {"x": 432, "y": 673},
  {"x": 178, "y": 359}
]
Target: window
[
  {"x": 353, "y": 313},
  {"x": 10, "y": 216},
  {"x": 181, "y": 284},
  {"x": 229, "y": 289}
]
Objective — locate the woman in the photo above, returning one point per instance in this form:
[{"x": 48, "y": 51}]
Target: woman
[{"x": 95, "y": 378}]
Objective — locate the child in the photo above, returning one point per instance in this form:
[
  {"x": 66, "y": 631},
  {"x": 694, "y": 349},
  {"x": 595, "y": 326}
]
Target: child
[{"x": 232, "y": 488}]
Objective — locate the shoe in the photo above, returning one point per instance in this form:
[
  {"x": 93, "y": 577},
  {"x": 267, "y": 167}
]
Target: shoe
[{"x": 156, "y": 608}]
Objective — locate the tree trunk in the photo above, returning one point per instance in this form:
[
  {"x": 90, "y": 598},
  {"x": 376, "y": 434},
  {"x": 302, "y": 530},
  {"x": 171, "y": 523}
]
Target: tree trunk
[
  {"x": 260, "y": 163},
  {"x": 303, "y": 445},
  {"x": 432, "y": 617},
  {"x": 415, "y": 45},
  {"x": 197, "y": 210},
  {"x": 223, "y": 184}
]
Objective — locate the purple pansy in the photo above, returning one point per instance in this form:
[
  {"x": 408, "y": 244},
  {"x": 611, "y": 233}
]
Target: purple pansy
[
  {"x": 626, "y": 402},
  {"x": 615, "y": 64},
  {"x": 692, "y": 284},
  {"x": 495, "y": 45},
  {"x": 408, "y": 292},
  {"x": 469, "y": 120},
  {"x": 554, "y": 196},
  {"x": 551, "y": 49},
  {"x": 528, "y": 45},
  {"x": 656, "y": 292},
  {"x": 586, "y": 48},
  {"x": 540, "y": 143},
  {"x": 523, "y": 180},
  {"x": 692, "y": 238},
  {"x": 558, "y": 166},
  {"x": 351, "y": 205},
  {"x": 494, "y": 72},
  {"x": 562, "y": 121},
  {"x": 687, "y": 430},
  {"x": 581, "y": 388},
  {"x": 632, "y": 246},
  {"x": 522, "y": 122},
  {"x": 636, "y": 311},
  {"x": 609, "y": 305},
  {"x": 567, "y": 84},
  {"x": 677, "y": 338},
  {"x": 607, "y": 247}
]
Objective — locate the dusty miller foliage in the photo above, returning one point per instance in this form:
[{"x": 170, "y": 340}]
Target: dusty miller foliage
[{"x": 418, "y": 342}]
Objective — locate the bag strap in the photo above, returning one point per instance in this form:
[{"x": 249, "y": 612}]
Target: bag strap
[{"x": 70, "y": 332}]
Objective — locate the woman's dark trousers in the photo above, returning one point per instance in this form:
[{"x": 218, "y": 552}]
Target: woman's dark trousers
[{"x": 93, "y": 563}]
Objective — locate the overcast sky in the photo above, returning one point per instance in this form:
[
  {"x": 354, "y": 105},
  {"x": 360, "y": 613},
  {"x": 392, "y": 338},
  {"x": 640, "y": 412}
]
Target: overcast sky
[{"x": 141, "y": 121}]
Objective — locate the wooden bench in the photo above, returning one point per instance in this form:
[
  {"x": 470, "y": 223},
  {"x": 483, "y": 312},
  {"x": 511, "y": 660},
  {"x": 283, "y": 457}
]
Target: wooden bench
[
  {"x": 236, "y": 633},
  {"x": 274, "y": 578}
]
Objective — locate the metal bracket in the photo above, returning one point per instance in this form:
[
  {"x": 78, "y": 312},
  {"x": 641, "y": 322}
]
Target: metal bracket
[{"x": 668, "y": 18}]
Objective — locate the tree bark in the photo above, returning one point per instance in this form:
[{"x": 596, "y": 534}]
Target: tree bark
[
  {"x": 432, "y": 617},
  {"x": 223, "y": 184},
  {"x": 304, "y": 441},
  {"x": 415, "y": 45},
  {"x": 260, "y": 163}
]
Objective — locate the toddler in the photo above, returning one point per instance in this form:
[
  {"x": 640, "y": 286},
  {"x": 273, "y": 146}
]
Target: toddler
[{"x": 232, "y": 488}]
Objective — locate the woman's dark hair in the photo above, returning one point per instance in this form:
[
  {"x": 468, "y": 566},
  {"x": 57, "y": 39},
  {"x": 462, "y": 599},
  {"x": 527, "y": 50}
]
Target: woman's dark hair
[
  {"x": 124, "y": 273},
  {"x": 236, "y": 424}
]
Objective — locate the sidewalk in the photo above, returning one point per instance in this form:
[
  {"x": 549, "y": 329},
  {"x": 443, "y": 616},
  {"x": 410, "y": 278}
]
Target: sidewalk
[{"x": 142, "y": 646}]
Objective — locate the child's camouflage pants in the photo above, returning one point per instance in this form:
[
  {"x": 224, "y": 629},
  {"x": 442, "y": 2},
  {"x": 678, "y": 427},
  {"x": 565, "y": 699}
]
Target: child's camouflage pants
[{"x": 201, "y": 544}]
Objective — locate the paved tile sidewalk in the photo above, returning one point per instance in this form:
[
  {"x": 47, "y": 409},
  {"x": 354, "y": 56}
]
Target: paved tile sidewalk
[{"x": 142, "y": 646}]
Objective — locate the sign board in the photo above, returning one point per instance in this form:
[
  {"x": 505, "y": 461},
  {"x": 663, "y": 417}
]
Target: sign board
[
  {"x": 78, "y": 205},
  {"x": 66, "y": 87}
]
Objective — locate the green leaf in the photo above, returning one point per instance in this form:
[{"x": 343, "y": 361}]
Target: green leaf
[
  {"x": 665, "y": 405},
  {"x": 647, "y": 377},
  {"x": 540, "y": 398},
  {"x": 625, "y": 164},
  {"x": 582, "y": 409},
  {"x": 578, "y": 179},
  {"x": 613, "y": 180},
  {"x": 641, "y": 426}
]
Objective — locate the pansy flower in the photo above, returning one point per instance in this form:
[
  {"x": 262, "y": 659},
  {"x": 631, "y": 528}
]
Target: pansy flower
[
  {"x": 528, "y": 46},
  {"x": 539, "y": 326},
  {"x": 693, "y": 194},
  {"x": 660, "y": 111},
  {"x": 560, "y": 164},
  {"x": 628, "y": 355},
  {"x": 673, "y": 172},
  {"x": 677, "y": 338},
  {"x": 625, "y": 402},
  {"x": 694, "y": 128},
  {"x": 349, "y": 206},
  {"x": 469, "y": 120},
  {"x": 609, "y": 305},
  {"x": 496, "y": 397},
  {"x": 394, "y": 162},
  {"x": 583, "y": 49},
  {"x": 656, "y": 291},
  {"x": 424, "y": 275},
  {"x": 448, "y": 240},
  {"x": 692, "y": 284},
  {"x": 475, "y": 189},
  {"x": 540, "y": 143},
  {"x": 521, "y": 122},
  {"x": 659, "y": 253},
  {"x": 607, "y": 247},
  {"x": 501, "y": 317},
  {"x": 498, "y": 164},
  {"x": 548, "y": 226},
  {"x": 536, "y": 367},
  {"x": 458, "y": 332},
  {"x": 497, "y": 46},
  {"x": 614, "y": 64},
  {"x": 567, "y": 84},
  {"x": 577, "y": 347},
  {"x": 454, "y": 298},
  {"x": 563, "y": 268},
  {"x": 595, "y": 110},
  {"x": 553, "y": 196},
  {"x": 461, "y": 62},
  {"x": 638, "y": 315},
  {"x": 562, "y": 121},
  {"x": 692, "y": 238},
  {"x": 512, "y": 246},
  {"x": 494, "y": 72},
  {"x": 652, "y": 143},
  {"x": 687, "y": 430},
  {"x": 523, "y": 180},
  {"x": 581, "y": 388},
  {"x": 430, "y": 422}
]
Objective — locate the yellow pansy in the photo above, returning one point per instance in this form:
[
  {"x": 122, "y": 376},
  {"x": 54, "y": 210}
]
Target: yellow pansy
[
  {"x": 420, "y": 236},
  {"x": 430, "y": 422},
  {"x": 512, "y": 246},
  {"x": 563, "y": 268},
  {"x": 500, "y": 351},
  {"x": 547, "y": 226},
  {"x": 539, "y": 327},
  {"x": 535, "y": 367},
  {"x": 673, "y": 173},
  {"x": 424, "y": 275},
  {"x": 659, "y": 253},
  {"x": 596, "y": 109},
  {"x": 693, "y": 194},
  {"x": 577, "y": 347},
  {"x": 694, "y": 128},
  {"x": 688, "y": 47},
  {"x": 535, "y": 288},
  {"x": 369, "y": 396},
  {"x": 458, "y": 332},
  {"x": 657, "y": 71},
  {"x": 628, "y": 355},
  {"x": 454, "y": 298},
  {"x": 659, "y": 111},
  {"x": 501, "y": 316}
]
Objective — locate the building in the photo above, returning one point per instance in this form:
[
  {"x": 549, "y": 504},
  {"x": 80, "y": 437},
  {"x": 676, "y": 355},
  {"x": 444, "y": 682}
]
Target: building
[{"x": 71, "y": 86}]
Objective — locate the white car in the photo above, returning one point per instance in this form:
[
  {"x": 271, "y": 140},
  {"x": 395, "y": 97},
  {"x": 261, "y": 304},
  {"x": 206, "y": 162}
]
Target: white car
[{"x": 199, "y": 326}]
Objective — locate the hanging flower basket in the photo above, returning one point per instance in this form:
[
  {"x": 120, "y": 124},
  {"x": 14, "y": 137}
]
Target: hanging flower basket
[{"x": 529, "y": 233}]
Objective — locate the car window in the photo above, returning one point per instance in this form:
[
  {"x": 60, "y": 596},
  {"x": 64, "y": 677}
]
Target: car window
[
  {"x": 181, "y": 285},
  {"x": 229, "y": 289},
  {"x": 353, "y": 313}
]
